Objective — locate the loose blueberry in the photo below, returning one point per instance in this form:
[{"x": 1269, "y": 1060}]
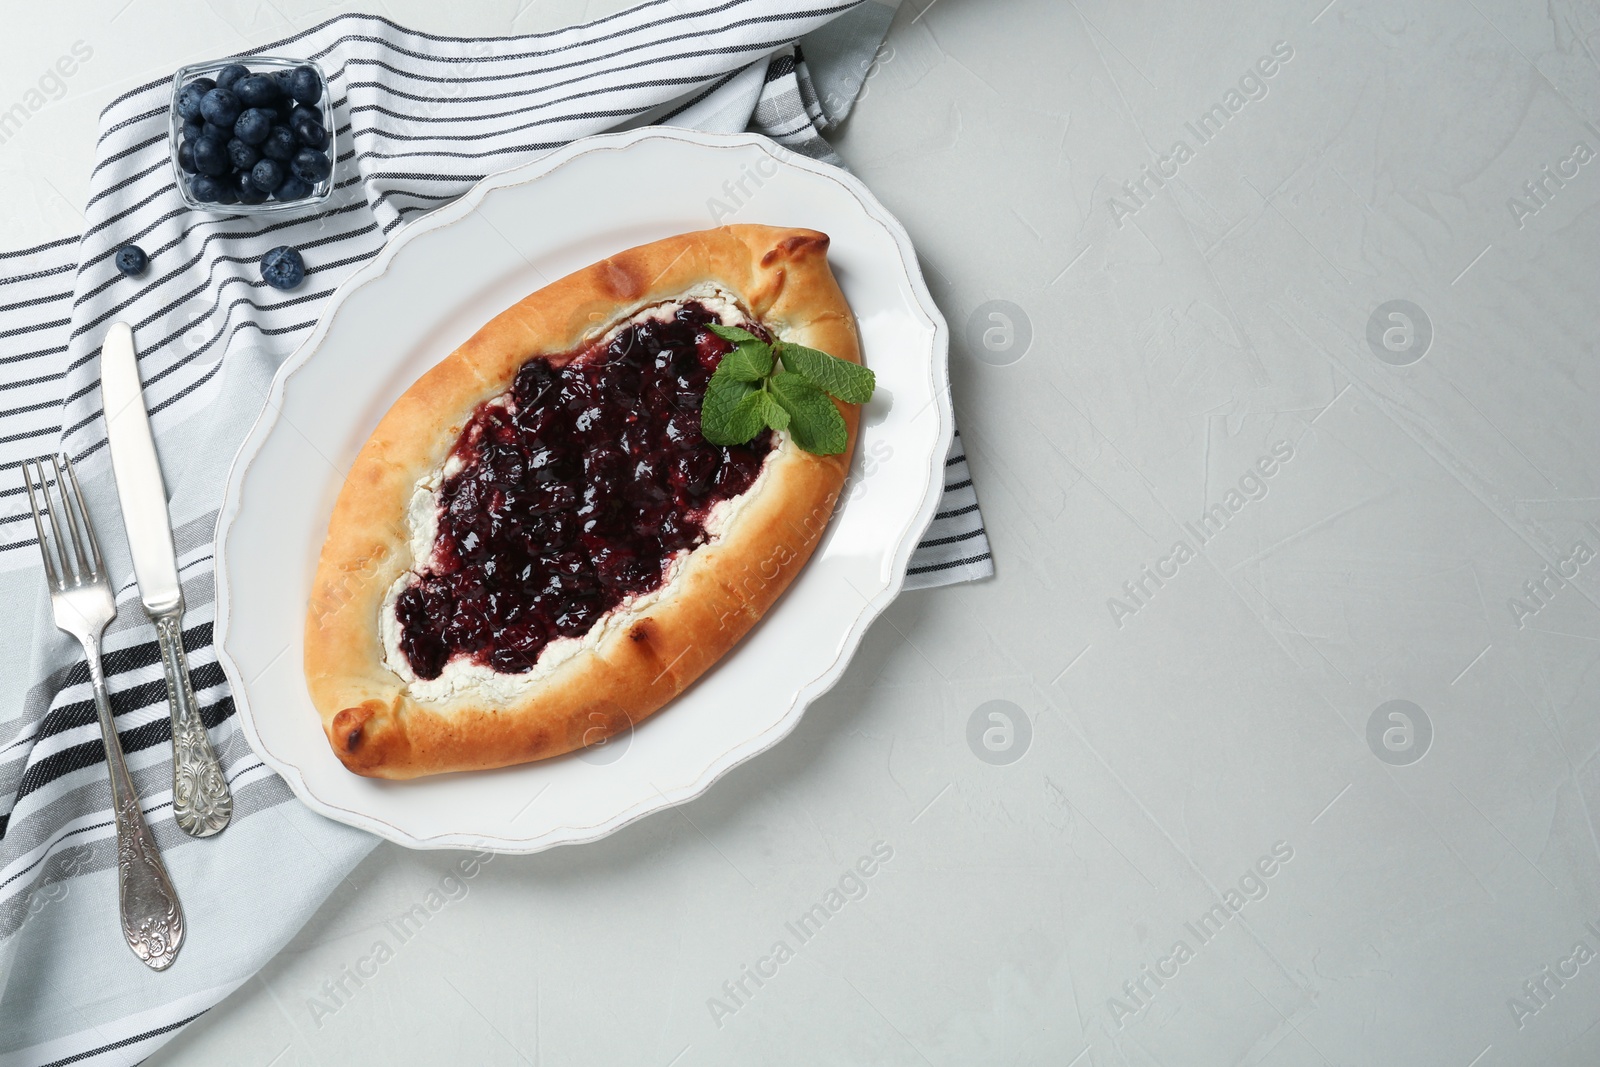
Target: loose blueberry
[
  {"x": 230, "y": 74},
  {"x": 292, "y": 189},
  {"x": 304, "y": 85},
  {"x": 220, "y": 107},
  {"x": 282, "y": 268},
  {"x": 311, "y": 165},
  {"x": 267, "y": 175},
  {"x": 131, "y": 260},
  {"x": 312, "y": 134},
  {"x": 247, "y": 190},
  {"x": 189, "y": 98},
  {"x": 256, "y": 90},
  {"x": 186, "y": 157},
  {"x": 254, "y": 125},
  {"x": 242, "y": 156},
  {"x": 280, "y": 144},
  {"x": 206, "y": 188},
  {"x": 211, "y": 156}
]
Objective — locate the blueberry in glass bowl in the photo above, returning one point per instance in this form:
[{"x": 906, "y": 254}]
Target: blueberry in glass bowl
[{"x": 229, "y": 117}]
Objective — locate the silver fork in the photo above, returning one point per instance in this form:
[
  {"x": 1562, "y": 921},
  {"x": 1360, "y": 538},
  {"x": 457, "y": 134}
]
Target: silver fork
[{"x": 152, "y": 919}]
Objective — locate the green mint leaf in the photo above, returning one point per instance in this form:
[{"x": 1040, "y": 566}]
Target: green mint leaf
[
  {"x": 773, "y": 413},
  {"x": 848, "y": 381},
  {"x": 748, "y": 416},
  {"x": 814, "y": 423},
  {"x": 750, "y": 362},
  {"x": 734, "y": 334},
  {"x": 728, "y": 414}
]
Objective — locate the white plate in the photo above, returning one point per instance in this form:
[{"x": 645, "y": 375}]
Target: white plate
[{"x": 434, "y": 285}]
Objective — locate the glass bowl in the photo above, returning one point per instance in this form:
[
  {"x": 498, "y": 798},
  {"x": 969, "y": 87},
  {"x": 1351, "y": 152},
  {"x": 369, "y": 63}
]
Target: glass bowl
[{"x": 256, "y": 65}]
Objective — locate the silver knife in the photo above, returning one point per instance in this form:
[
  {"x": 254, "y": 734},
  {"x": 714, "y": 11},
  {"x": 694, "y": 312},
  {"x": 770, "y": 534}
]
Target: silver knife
[{"x": 201, "y": 801}]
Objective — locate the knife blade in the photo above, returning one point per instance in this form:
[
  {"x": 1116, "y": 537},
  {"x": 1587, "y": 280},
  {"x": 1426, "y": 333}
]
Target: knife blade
[
  {"x": 202, "y": 803},
  {"x": 140, "y": 488}
]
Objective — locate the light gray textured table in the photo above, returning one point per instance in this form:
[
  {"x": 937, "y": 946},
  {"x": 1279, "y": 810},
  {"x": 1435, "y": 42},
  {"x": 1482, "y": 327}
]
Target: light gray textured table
[{"x": 1272, "y": 430}]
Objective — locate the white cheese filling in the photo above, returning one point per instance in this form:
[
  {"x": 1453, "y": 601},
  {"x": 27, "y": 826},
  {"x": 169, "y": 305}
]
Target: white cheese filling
[{"x": 463, "y": 676}]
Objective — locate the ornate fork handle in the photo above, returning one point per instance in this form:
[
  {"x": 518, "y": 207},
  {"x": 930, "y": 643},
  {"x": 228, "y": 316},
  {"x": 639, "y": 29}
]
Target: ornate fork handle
[
  {"x": 152, "y": 919},
  {"x": 201, "y": 801}
]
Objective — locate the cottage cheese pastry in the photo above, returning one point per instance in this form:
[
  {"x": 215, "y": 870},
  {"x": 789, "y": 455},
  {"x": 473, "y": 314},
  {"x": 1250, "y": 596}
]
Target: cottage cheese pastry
[{"x": 538, "y": 546}]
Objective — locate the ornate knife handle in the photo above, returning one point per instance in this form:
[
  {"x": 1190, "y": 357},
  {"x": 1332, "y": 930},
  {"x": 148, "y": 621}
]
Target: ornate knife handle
[
  {"x": 152, "y": 918},
  {"x": 201, "y": 801}
]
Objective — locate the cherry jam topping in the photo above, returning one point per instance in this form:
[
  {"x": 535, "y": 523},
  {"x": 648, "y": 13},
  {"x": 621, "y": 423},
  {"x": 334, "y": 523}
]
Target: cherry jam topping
[{"x": 575, "y": 491}]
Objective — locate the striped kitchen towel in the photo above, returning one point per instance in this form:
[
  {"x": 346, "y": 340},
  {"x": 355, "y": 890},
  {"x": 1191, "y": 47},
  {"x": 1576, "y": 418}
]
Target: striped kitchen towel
[{"x": 420, "y": 118}]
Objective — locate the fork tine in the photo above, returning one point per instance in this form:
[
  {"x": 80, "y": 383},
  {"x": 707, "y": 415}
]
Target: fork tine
[
  {"x": 60, "y": 536},
  {"x": 88, "y": 527},
  {"x": 38, "y": 524},
  {"x": 79, "y": 566}
]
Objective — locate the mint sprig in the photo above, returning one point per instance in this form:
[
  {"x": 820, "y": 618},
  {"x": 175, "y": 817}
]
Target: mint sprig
[{"x": 783, "y": 386}]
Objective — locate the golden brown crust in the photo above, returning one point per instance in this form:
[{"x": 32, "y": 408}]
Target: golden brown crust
[{"x": 374, "y": 724}]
